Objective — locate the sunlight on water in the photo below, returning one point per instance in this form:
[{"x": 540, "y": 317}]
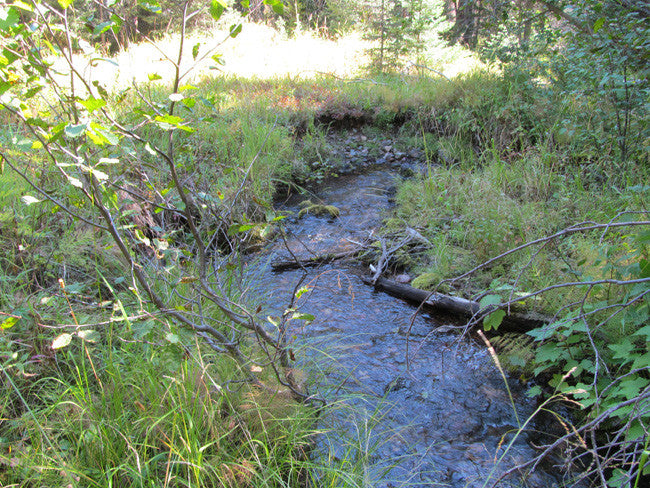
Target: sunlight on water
[{"x": 420, "y": 406}]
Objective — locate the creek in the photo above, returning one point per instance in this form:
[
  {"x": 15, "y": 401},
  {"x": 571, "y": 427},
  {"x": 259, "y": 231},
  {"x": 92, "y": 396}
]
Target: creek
[{"x": 443, "y": 418}]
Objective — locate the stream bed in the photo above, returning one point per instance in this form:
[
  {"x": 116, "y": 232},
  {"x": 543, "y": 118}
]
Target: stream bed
[{"x": 442, "y": 418}]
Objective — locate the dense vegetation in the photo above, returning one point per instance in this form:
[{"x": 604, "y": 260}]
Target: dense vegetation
[{"x": 133, "y": 352}]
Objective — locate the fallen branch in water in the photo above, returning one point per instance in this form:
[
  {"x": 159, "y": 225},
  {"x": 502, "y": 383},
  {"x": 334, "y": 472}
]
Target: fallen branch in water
[
  {"x": 513, "y": 322},
  {"x": 314, "y": 260},
  {"x": 386, "y": 254}
]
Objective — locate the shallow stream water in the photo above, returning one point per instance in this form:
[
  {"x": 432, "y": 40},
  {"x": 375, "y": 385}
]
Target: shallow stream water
[{"x": 443, "y": 418}]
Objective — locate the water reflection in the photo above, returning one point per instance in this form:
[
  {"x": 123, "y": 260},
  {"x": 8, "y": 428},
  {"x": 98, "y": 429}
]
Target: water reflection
[{"x": 442, "y": 421}]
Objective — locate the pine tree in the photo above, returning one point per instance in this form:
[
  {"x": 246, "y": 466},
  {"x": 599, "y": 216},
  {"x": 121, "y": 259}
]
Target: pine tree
[{"x": 397, "y": 26}]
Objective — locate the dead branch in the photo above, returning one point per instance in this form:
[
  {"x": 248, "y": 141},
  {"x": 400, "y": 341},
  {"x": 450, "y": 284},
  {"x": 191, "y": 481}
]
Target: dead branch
[
  {"x": 297, "y": 263},
  {"x": 513, "y": 322}
]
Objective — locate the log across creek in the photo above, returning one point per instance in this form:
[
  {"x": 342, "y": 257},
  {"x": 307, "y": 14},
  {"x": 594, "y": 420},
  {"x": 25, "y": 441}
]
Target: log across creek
[{"x": 513, "y": 322}]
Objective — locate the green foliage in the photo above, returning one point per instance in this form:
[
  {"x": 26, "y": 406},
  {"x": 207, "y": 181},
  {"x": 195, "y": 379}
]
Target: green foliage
[
  {"x": 125, "y": 184},
  {"x": 140, "y": 404},
  {"x": 597, "y": 351},
  {"x": 397, "y": 26},
  {"x": 516, "y": 352},
  {"x": 595, "y": 68}
]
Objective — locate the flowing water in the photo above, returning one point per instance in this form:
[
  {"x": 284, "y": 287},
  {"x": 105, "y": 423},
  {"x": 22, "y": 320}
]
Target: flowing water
[{"x": 442, "y": 418}]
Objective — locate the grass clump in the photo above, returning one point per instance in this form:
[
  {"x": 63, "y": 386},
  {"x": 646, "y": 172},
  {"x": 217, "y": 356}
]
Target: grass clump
[
  {"x": 309, "y": 207},
  {"x": 137, "y": 403},
  {"x": 484, "y": 210}
]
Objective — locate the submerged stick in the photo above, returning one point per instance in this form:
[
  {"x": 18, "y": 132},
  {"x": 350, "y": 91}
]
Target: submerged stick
[{"x": 314, "y": 260}]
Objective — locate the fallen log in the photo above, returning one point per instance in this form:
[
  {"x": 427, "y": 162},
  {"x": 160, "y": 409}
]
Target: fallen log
[
  {"x": 314, "y": 260},
  {"x": 513, "y": 322}
]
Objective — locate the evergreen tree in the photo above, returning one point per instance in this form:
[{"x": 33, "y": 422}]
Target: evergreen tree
[{"x": 397, "y": 27}]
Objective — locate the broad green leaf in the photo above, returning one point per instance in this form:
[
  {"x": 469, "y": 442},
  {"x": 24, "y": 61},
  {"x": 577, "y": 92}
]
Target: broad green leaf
[
  {"x": 9, "y": 322},
  {"x": 303, "y": 316},
  {"x": 89, "y": 335},
  {"x": 168, "y": 122},
  {"x": 74, "y": 288},
  {"x": 623, "y": 348},
  {"x": 644, "y": 331},
  {"x": 547, "y": 353},
  {"x": 618, "y": 479},
  {"x": 488, "y": 300},
  {"x": 599, "y": 24},
  {"x": 27, "y": 144},
  {"x": 637, "y": 431},
  {"x": 75, "y": 181},
  {"x": 493, "y": 320},
  {"x": 302, "y": 291},
  {"x": 4, "y": 86},
  {"x": 73, "y": 131},
  {"x": 9, "y": 55},
  {"x": 117, "y": 23},
  {"x": 151, "y": 5},
  {"x": 276, "y": 5},
  {"x": 195, "y": 50},
  {"x": 61, "y": 341},
  {"x": 65, "y": 3},
  {"x": 92, "y": 104},
  {"x": 534, "y": 391},
  {"x": 28, "y": 200},
  {"x": 641, "y": 361},
  {"x": 100, "y": 135},
  {"x": 96, "y": 138},
  {"x": 186, "y": 128},
  {"x": 103, "y": 27},
  {"x": 237, "y": 228},
  {"x": 39, "y": 123},
  {"x": 22, "y": 5},
  {"x": 235, "y": 29},
  {"x": 154, "y": 76},
  {"x": 630, "y": 387},
  {"x": 216, "y": 8},
  {"x": 142, "y": 328}
]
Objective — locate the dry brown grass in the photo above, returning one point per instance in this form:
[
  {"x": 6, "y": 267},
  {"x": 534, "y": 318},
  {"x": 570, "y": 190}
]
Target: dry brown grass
[{"x": 259, "y": 51}]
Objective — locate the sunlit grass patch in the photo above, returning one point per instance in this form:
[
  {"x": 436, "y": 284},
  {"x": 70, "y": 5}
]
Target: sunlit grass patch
[{"x": 259, "y": 51}]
